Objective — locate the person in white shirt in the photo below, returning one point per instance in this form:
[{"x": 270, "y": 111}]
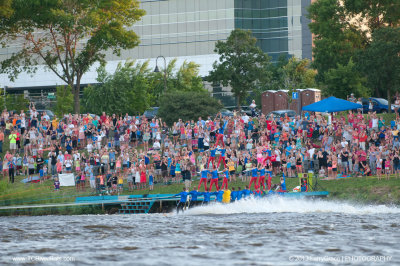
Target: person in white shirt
[
  {"x": 46, "y": 116},
  {"x": 311, "y": 151},
  {"x": 76, "y": 156},
  {"x": 245, "y": 118},
  {"x": 375, "y": 122},
  {"x": 278, "y": 155},
  {"x": 98, "y": 142},
  {"x": 156, "y": 145},
  {"x": 344, "y": 143},
  {"x": 89, "y": 147},
  {"x": 253, "y": 108}
]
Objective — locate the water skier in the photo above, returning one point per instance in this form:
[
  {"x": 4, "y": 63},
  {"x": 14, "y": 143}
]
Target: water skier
[
  {"x": 254, "y": 177},
  {"x": 203, "y": 178},
  {"x": 182, "y": 202},
  {"x": 214, "y": 179}
]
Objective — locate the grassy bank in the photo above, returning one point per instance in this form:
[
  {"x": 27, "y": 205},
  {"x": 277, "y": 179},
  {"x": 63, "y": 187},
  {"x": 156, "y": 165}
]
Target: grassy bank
[{"x": 367, "y": 190}]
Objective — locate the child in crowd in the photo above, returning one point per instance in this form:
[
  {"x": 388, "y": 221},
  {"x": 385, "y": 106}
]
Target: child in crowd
[
  {"x": 151, "y": 179},
  {"x": 387, "y": 167},
  {"x": 120, "y": 184},
  {"x": 56, "y": 185},
  {"x": 83, "y": 181},
  {"x": 41, "y": 175}
]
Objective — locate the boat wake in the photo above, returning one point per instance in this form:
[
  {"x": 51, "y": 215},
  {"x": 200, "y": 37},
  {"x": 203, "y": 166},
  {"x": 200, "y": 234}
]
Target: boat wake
[{"x": 284, "y": 205}]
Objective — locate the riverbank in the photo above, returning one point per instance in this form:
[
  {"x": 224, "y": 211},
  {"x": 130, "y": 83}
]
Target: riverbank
[{"x": 366, "y": 190}]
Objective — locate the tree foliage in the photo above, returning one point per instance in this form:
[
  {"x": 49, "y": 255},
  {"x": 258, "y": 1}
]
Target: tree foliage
[
  {"x": 297, "y": 75},
  {"x": 188, "y": 79},
  {"x": 291, "y": 74},
  {"x": 336, "y": 39},
  {"x": 185, "y": 78},
  {"x": 342, "y": 79},
  {"x": 6, "y": 8},
  {"x": 64, "y": 101},
  {"x": 187, "y": 106},
  {"x": 343, "y": 30},
  {"x": 67, "y": 36},
  {"x": 242, "y": 65},
  {"x": 13, "y": 102},
  {"x": 380, "y": 61},
  {"x": 133, "y": 87},
  {"x": 277, "y": 73},
  {"x": 125, "y": 91}
]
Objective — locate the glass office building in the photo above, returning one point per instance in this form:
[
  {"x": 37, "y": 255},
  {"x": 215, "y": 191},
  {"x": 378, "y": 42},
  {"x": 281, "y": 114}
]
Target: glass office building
[
  {"x": 189, "y": 29},
  {"x": 176, "y": 28}
]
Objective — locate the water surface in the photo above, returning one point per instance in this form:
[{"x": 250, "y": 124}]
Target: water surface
[{"x": 253, "y": 232}]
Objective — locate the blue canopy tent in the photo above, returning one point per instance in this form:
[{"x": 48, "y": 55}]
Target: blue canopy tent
[{"x": 331, "y": 105}]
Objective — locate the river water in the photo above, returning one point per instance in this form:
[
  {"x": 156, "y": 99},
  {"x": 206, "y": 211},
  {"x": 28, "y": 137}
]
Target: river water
[{"x": 252, "y": 232}]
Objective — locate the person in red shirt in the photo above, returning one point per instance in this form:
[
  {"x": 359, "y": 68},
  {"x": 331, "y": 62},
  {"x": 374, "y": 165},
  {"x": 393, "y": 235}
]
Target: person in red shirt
[
  {"x": 310, "y": 132},
  {"x": 363, "y": 139},
  {"x": 103, "y": 117},
  {"x": 269, "y": 124}
]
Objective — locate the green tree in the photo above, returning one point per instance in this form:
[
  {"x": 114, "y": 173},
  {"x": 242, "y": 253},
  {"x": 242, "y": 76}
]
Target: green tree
[
  {"x": 125, "y": 91},
  {"x": 67, "y": 36},
  {"x": 336, "y": 39},
  {"x": 5, "y": 8},
  {"x": 242, "y": 65},
  {"x": 13, "y": 102},
  {"x": 187, "y": 106},
  {"x": 64, "y": 101},
  {"x": 343, "y": 80},
  {"x": 186, "y": 78},
  {"x": 380, "y": 62},
  {"x": 277, "y": 73},
  {"x": 297, "y": 75},
  {"x": 342, "y": 29},
  {"x": 374, "y": 14}
]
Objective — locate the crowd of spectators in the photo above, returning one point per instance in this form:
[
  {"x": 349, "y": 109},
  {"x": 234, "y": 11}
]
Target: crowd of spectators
[{"x": 107, "y": 152}]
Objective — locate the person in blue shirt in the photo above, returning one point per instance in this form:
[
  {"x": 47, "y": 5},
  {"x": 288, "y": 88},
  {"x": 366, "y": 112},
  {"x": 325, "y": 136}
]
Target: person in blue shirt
[
  {"x": 254, "y": 176},
  {"x": 182, "y": 202},
  {"x": 276, "y": 136},
  {"x": 214, "y": 179},
  {"x": 239, "y": 194},
  {"x": 206, "y": 197},
  {"x": 194, "y": 194},
  {"x": 222, "y": 157},
  {"x": 213, "y": 151},
  {"x": 220, "y": 134},
  {"x": 246, "y": 192},
  {"x": 234, "y": 195},
  {"x": 226, "y": 178},
  {"x": 219, "y": 195},
  {"x": 203, "y": 178},
  {"x": 283, "y": 184},
  {"x": 261, "y": 180}
]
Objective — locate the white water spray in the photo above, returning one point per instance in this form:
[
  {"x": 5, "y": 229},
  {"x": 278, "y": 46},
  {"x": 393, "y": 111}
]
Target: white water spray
[{"x": 281, "y": 205}]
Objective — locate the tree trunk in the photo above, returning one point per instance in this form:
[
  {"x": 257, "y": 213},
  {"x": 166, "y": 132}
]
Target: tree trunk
[
  {"x": 238, "y": 102},
  {"x": 389, "y": 101},
  {"x": 76, "y": 91},
  {"x": 378, "y": 93}
]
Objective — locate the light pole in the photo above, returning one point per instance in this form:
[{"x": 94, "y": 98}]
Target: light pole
[
  {"x": 5, "y": 89},
  {"x": 156, "y": 70}
]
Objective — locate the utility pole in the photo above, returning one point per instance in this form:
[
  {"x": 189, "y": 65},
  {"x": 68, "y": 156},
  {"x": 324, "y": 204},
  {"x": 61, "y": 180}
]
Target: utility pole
[{"x": 5, "y": 89}]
